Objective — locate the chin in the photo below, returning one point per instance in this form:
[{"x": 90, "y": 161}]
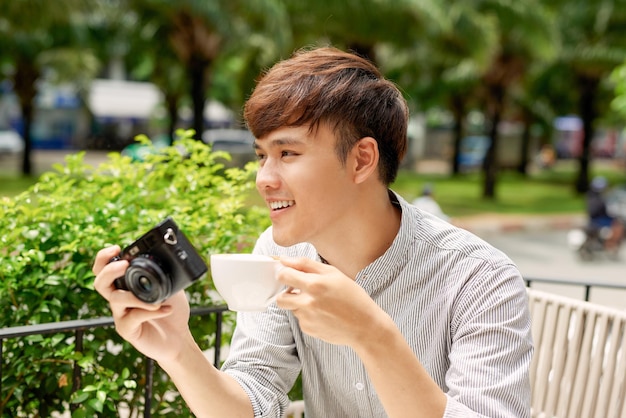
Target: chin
[
  {"x": 284, "y": 239},
  {"x": 279, "y": 240}
]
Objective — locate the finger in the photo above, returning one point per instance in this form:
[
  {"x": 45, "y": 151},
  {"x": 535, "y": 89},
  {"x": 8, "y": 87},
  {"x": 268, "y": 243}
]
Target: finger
[
  {"x": 290, "y": 299},
  {"x": 104, "y": 280},
  {"x": 130, "y": 324},
  {"x": 103, "y": 257},
  {"x": 123, "y": 301},
  {"x": 304, "y": 264},
  {"x": 297, "y": 272},
  {"x": 293, "y": 279}
]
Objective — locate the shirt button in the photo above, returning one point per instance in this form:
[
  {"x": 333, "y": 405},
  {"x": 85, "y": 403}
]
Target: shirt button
[{"x": 359, "y": 386}]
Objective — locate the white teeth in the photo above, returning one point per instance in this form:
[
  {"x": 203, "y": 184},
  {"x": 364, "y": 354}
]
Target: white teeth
[{"x": 281, "y": 204}]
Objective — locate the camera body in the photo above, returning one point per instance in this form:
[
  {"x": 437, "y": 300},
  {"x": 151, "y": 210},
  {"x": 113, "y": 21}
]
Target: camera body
[{"x": 162, "y": 262}]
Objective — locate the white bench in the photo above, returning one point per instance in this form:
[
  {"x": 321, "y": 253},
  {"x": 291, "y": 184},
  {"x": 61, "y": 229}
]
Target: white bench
[{"x": 579, "y": 366}]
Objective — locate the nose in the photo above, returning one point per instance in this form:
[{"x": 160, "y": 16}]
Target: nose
[{"x": 267, "y": 176}]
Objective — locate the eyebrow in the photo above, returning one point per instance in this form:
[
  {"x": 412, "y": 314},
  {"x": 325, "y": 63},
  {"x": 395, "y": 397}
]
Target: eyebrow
[{"x": 279, "y": 142}]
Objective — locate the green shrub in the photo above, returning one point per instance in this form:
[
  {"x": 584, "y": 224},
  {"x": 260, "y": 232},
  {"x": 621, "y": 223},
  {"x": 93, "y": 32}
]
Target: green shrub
[{"x": 50, "y": 235}]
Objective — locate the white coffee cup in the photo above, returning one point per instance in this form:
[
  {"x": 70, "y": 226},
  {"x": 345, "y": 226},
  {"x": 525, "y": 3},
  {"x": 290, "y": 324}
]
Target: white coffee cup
[{"x": 247, "y": 282}]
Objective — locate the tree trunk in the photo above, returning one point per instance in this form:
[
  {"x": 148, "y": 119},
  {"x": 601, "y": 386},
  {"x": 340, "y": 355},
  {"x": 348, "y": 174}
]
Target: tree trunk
[
  {"x": 24, "y": 81},
  {"x": 171, "y": 102},
  {"x": 490, "y": 164},
  {"x": 197, "y": 73},
  {"x": 588, "y": 88},
  {"x": 458, "y": 112},
  {"x": 522, "y": 168},
  {"x": 27, "y": 118}
]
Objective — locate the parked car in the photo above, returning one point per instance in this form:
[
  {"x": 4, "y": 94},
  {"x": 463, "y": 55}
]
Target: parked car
[
  {"x": 138, "y": 151},
  {"x": 239, "y": 143},
  {"x": 473, "y": 150},
  {"x": 10, "y": 142}
]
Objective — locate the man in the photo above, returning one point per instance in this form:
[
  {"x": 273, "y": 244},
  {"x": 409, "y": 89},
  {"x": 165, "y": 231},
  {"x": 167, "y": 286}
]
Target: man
[
  {"x": 599, "y": 216},
  {"x": 386, "y": 312},
  {"x": 426, "y": 202}
]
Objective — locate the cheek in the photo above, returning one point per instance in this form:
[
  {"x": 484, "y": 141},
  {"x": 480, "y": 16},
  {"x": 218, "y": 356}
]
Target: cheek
[
  {"x": 320, "y": 190},
  {"x": 318, "y": 182}
]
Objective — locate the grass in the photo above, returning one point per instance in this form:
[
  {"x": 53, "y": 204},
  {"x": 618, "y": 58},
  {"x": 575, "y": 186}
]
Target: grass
[
  {"x": 545, "y": 192},
  {"x": 514, "y": 194},
  {"x": 11, "y": 185}
]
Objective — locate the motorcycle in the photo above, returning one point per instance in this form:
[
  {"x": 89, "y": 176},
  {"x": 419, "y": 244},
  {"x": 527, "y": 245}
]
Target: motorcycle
[{"x": 590, "y": 242}]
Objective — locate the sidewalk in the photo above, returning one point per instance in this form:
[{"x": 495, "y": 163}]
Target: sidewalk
[{"x": 495, "y": 222}]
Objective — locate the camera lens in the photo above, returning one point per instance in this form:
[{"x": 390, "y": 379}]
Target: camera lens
[
  {"x": 147, "y": 280},
  {"x": 145, "y": 283}
]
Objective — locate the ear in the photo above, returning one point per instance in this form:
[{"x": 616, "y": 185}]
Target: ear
[{"x": 365, "y": 158}]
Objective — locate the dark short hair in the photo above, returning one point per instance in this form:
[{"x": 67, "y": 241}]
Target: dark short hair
[{"x": 341, "y": 89}]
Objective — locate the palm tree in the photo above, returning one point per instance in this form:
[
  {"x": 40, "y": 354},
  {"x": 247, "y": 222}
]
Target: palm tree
[
  {"x": 592, "y": 46},
  {"x": 362, "y": 26},
  {"x": 524, "y": 34},
  {"x": 199, "y": 32},
  {"x": 446, "y": 68},
  {"x": 30, "y": 40},
  {"x": 533, "y": 110}
]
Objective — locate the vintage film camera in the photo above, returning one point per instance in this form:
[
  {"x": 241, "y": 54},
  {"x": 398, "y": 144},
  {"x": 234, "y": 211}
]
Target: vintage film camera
[{"x": 162, "y": 262}]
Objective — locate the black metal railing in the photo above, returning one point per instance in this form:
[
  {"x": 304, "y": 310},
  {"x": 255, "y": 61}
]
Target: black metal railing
[
  {"x": 79, "y": 327},
  {"x": 587, "y": 285}
]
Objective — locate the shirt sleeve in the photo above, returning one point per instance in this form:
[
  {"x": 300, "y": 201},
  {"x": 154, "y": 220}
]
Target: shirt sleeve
[
  {"x": 491, "y": 348},
  {"x": 264, "y": 360}
]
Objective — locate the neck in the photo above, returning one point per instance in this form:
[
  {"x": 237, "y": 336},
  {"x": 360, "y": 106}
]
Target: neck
[{"x": 367, "y": 232}]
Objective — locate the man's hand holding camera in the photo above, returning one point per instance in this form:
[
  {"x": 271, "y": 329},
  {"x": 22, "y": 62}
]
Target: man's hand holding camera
[
  {"x": 144, "y": 285},
  {"x": 149, "y": 327}
]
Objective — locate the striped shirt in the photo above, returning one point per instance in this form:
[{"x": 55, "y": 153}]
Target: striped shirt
[{"x": 460, "y": 304}]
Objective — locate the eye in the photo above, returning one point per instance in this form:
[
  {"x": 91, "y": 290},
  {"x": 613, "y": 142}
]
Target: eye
[{"x": 287, "y": 153}]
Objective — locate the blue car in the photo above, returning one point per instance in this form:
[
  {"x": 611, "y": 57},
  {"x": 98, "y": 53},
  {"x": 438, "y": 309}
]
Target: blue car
[{"x": 473, "y": 150}]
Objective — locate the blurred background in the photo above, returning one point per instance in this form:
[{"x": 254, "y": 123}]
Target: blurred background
[
  {"x": 494, "y": 86},
  {"x": 515, "y": 107}
]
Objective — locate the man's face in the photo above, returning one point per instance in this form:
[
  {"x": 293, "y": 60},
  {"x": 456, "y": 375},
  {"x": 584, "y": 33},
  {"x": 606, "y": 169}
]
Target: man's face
[{"x": 305, "y": 186}]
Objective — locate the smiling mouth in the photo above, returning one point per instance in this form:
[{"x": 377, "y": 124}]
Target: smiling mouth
[{"x": 281, "y": 204}]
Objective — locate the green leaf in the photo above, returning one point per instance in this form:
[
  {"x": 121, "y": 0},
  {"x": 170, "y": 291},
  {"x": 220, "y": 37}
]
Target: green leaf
[
  {"x": 80, "y": 397},
  {"x": 130, "y": 384},
  {"x": 79, "y": 413},
  {"x": 101, "y": 396},
  {"x": 96, "y": 405}
]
